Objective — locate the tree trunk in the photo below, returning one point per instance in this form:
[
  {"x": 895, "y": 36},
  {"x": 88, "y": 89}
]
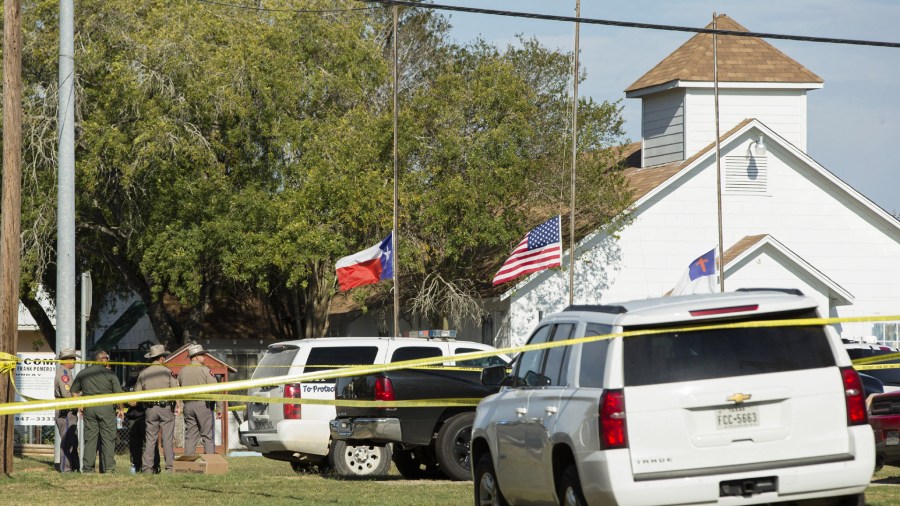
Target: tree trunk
[
  {"x": 43, "y": 321},
  {"x": 317, "y": 299}
]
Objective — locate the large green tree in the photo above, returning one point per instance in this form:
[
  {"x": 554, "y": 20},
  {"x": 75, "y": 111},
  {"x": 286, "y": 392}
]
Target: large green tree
[{"x": 235, "y": 153}]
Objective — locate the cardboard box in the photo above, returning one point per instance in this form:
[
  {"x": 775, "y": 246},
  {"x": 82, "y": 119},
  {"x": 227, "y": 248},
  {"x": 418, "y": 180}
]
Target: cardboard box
[{"x": 201, "y": 464}]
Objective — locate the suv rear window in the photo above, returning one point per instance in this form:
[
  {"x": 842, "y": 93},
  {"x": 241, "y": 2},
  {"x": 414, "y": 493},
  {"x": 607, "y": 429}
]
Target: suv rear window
[
  {"x": 329, "y": 356},
  {"x": 708, "y": 354},
  {"x": 275, "y": 362}
]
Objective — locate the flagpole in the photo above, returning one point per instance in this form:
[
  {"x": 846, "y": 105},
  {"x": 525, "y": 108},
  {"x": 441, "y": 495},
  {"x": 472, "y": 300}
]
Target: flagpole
[
  {"x": 721, "y": 252},
  {"x": 394, "y": 234},
  {"x": 574, "y": 157}
]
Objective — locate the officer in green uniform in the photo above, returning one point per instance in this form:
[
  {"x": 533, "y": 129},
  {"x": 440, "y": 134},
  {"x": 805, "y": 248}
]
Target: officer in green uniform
[
  {"x": 66, "y": 419},
  {"x": 99, "y": 421}
]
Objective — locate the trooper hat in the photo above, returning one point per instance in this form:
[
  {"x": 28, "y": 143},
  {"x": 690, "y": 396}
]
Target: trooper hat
[
  {"x": 67, "y": 353},
  {"x": 195, "y": 349},
  {"x": 156, "y": 350}
]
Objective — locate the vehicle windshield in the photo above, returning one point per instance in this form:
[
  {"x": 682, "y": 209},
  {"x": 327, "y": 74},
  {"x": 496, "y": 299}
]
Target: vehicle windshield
[{"x": 707, "y": 354}]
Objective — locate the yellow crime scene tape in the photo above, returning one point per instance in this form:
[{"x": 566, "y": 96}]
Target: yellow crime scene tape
[{"x": 215, "y": 391}]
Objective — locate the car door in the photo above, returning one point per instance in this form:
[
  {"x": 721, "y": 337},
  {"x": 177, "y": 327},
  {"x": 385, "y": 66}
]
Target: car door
[
  {"x": 510, "y": 425},
  {"x": 543, "y": 407}
]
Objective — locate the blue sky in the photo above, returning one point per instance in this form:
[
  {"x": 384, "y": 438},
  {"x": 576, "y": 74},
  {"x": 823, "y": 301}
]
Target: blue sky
[{"x": 853, "y": 120}]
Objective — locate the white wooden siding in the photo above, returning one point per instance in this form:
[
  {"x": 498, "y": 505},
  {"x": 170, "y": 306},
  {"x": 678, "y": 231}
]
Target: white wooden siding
[{"x": 784, "y": 111}]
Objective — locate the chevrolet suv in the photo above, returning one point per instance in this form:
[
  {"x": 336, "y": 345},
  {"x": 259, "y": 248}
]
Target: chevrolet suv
[{"x": 683, "y": 414}]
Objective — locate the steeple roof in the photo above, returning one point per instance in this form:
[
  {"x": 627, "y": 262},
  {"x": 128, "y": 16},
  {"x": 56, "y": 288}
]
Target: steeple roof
[{"x": 740, "y": 59}]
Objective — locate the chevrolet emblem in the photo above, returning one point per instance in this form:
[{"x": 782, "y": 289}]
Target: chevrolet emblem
[{"x": 739, "y": 398}]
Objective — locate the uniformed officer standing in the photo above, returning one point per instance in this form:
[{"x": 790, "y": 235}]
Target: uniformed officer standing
[
  {"x": 99, "y": 421},
  {"x": 198, "y": 417},
  {"x": 66, "y": 419},
  {"x": 159, "y": 416}
]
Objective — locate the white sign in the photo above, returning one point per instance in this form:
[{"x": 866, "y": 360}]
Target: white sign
[{"x": 34, "y": 379}]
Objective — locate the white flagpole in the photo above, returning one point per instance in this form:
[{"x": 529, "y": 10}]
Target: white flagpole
[
  {"x": 720, "y": 253},
  {"x": 574, "y": 158}
]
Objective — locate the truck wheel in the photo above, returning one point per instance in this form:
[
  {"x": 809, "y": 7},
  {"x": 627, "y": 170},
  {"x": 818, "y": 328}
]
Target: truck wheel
[
  {"x": 487, "y": 488},
  {"x": 417, "y": 464},
  {"x": 570, "y": 493},
  {"x": 362, "y": 460},
  {"x": 452, "y": 446}
]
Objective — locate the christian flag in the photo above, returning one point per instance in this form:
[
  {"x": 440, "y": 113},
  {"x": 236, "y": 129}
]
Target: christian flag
[
  {"x": 366, "y": 267},
  {"x": 540, "y": 249},
  {"x": 700, "y": 276}
]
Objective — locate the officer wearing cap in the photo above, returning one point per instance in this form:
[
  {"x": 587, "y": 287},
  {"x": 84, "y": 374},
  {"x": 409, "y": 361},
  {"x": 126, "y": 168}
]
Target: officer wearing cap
[
  {"x": 198, "y": 416},
  {"x": 99, "y": 421},
  {"x": 66, "y": 419},
  {"x": 159, "y": 416}
]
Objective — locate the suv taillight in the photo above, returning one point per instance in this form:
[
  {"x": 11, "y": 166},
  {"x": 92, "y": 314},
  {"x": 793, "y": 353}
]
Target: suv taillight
[
  {"x": 384, "y": 389},
  {"x": 854, "y": 396},
  {"x": 292, "y": 411},
  {"x": 613, "y": 430}
]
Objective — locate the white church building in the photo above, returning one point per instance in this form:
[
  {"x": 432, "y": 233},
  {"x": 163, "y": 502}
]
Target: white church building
[{"x": 787, "y": 221}]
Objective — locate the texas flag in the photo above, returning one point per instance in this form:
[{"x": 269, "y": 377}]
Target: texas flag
[
  {"x": 366, "y": 267},
  {"x": 700, "y": 276}
]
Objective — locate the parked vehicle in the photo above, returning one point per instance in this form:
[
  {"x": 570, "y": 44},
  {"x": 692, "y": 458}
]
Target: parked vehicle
[
  {"x": 719, "y": 416},
  {"x": 426, "y": 440},
  {"x": 884, "y": 417},
  {"x": 299, "y": 433},
  {"x": 890, "y": 378}
]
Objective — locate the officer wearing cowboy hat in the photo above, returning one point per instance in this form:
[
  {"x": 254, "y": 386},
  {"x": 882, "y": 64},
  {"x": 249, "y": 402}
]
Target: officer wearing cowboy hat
[
  {"x": 198, "y": 417},
  {"x": 66, "y": 419},
  {"x": 159, "y": 415}
]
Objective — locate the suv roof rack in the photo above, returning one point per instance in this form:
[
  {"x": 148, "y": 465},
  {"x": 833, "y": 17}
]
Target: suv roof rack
[
  {"x": 791, "y": 291},
  {"x": 597, "y": 308}
]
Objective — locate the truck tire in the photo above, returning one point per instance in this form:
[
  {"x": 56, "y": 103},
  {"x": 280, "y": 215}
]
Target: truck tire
[
  {"x": 363, "y": 460},
  {"x": 417, "y": 464},
  {"x": 452, "y": 446},
  {"x": 570, "y": 493},
  {"x": 487, "y": 488}
]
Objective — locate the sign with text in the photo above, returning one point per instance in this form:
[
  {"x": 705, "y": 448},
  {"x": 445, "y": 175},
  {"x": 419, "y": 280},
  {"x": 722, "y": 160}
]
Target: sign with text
[{"x": 34, "y": 379}]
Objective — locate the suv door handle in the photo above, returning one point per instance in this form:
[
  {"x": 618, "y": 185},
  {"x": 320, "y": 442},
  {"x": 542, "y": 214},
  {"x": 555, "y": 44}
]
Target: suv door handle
[
  {"x": 521, "y": 411},
  {"x": 551, "y": 410}
]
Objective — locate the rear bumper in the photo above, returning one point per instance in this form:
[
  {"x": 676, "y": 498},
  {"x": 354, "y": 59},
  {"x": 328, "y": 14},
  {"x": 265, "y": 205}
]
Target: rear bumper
[
  {"x": 606, "y": 478},
  {"x": 291, "y": 439},
  {"x": 381, "y": 430}
]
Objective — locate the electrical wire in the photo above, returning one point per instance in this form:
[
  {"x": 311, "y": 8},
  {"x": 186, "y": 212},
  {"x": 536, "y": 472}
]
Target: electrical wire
[
  {"x": 628, "y": 24},
  {"x": 301, "y": 11}
]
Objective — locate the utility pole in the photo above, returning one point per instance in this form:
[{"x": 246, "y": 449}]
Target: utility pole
[
  {"x": 396, "y": 232},
  {"x": 574, "y": 159},
  {"x": 11, "y": 209},
  {"x": 65, "y": 211}
]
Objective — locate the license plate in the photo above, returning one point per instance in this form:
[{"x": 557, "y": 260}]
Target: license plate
[
  {"x": 892, "y": 438},
  {"x": 731, "y": 418},
  {"x": 261, "y": 424}
]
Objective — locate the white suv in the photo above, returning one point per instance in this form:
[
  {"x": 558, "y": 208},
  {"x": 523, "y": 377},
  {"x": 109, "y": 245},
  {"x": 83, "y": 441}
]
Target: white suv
[
  {"x": 299, "y": 433},
  {"x": 727, "y": 416}
]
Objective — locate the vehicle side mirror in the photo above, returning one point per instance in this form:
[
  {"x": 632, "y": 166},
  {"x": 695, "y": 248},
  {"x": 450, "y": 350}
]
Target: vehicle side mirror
[{"x": 493, "y": 375}]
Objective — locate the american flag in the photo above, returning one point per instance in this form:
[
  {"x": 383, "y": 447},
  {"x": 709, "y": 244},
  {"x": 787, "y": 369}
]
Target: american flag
[{"x": 540, "y": 249}]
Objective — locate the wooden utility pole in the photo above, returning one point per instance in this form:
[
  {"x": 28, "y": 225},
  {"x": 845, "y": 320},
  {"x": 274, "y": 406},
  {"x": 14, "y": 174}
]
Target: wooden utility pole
[{"x": 10, "y": 208}]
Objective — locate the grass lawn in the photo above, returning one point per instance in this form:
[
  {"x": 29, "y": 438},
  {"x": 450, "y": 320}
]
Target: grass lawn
[
  {"x": 255, "y": 480},
  {"x": 250, "y": 480}
]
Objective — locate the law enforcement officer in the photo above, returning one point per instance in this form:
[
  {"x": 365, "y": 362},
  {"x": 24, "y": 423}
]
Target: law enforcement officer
[
  {"x": 99, "y": 421},
  {"x": 158, "y": 416},
  {"x": 66, "y": 419},
  {"x": 198, "y": 415}
]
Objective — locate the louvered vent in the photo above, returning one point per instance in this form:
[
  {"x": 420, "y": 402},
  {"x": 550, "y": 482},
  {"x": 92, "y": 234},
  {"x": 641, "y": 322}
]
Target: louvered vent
[{"x": 746, "y": 175}]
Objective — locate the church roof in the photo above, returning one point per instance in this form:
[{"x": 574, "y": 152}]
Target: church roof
[{"x": 740, "y": 59}]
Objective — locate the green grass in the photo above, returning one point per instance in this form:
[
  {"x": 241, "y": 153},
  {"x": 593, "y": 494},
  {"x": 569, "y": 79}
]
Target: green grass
[
  {"x": 250, "y": 480},
  {"x": 255, "y": 480}
]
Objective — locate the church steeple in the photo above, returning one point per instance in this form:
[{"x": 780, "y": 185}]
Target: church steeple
[{"x": 756, "y": 80}]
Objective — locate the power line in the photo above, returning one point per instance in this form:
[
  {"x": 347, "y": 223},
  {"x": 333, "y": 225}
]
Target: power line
[
  {"x": 302, "y": 11},
  {"x": 629, "y": 24}
]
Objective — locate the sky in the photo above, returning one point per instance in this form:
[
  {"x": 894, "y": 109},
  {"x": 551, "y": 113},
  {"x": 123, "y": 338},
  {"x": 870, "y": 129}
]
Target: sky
[{"x": 853, "y": 119}]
